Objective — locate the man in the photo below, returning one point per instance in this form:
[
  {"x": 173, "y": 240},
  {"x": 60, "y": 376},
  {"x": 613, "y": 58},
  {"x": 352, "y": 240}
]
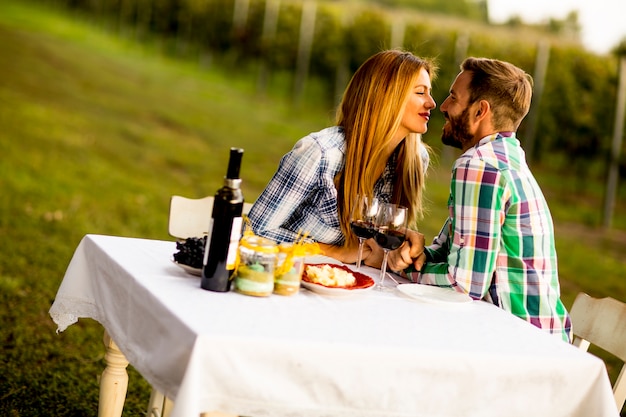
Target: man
[{"x": 498, "y": 241}]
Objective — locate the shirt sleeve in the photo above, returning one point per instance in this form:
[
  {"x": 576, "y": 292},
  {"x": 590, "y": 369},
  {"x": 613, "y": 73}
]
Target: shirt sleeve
[
  {"x": 474, "y": 231},
  {"x": 437, "y": 252},
  {"x": 291, "y": 185}
]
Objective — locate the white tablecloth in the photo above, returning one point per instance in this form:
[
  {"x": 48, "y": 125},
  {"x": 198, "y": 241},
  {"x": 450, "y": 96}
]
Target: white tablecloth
[{"x": 308, "y": 355}]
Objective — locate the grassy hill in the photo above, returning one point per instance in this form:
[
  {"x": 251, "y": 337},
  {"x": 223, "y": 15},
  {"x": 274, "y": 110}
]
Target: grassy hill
[{"x": 98, "y": 133}]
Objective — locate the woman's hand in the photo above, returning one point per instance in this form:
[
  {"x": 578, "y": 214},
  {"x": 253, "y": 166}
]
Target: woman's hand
[
  {"x": 345, "y": 254},
  {"x": 372, "y": 254},
  {"x": 411, "y": 252}
]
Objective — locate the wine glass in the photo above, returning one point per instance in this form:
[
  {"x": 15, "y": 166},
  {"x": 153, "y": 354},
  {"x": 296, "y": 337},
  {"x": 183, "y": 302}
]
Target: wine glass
[
  {"x": 390, "y": 233},
  {"x": 362, "y": 221}
]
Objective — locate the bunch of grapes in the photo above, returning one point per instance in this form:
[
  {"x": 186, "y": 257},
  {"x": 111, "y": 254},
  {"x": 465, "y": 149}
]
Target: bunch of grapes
[{"x": 191, "y": 251}]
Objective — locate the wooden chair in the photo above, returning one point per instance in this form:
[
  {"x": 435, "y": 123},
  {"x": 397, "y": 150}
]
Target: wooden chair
[
  {"x": 602, "y": 322},
  {"x": 190, "y": 217}
]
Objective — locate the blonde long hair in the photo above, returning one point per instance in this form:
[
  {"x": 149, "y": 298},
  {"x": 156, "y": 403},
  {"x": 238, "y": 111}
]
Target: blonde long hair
[{"x": 371, "y": 113}]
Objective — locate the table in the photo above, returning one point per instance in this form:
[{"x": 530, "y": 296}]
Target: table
[{"x": 369, "y": 355}]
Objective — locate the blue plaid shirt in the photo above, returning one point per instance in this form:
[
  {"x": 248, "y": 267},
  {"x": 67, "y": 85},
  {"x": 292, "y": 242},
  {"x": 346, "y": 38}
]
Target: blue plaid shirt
[{"x": 302, "y": 197}]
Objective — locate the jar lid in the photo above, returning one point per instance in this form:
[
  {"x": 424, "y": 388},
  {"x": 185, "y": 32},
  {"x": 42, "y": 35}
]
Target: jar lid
[
  {"x": 259, "y": 244},
  {"x": 285, "y": 247}
]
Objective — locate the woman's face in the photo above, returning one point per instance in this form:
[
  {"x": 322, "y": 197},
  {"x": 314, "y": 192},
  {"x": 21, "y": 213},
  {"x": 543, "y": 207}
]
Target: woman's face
[{"x": 417, "y": 111}]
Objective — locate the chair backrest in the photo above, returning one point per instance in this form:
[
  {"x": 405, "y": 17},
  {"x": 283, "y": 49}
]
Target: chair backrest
[
  {"x": 602, "y": 322},
  {"x": 190, "y": 217}
]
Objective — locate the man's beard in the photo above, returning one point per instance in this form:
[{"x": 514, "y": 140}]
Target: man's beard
[{"x": 457, "y": 133}]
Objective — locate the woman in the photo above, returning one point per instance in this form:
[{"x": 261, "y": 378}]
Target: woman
[{"x": 374, "y": 149}]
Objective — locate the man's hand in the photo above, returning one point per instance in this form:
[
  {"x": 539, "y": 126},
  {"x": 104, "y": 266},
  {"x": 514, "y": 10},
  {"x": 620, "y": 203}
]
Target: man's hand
[{"x": 411, "y": 252}]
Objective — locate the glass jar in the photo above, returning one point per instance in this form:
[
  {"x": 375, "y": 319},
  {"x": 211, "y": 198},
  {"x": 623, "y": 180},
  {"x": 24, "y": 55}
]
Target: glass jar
[
  {"x": 289, "y": 268},
  {"x": 255, "y": 271}
]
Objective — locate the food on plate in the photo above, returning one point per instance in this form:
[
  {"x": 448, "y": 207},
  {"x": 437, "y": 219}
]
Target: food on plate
[
  {"x": 190, "y": 251},
  {"x": 329, "y": 276}
]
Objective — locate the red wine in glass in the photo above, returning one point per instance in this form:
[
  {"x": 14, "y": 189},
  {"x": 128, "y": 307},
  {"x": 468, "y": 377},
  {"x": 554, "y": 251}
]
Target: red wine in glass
[
  {"x": 363, "y": 229},
  {"x": 390, "y": 239},
  {"x": 391, "y": 225},
  {"x": 362, "y": 221}
]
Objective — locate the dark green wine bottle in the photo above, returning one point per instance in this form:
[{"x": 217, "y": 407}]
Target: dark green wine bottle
[{"x": 226, "y": 227}]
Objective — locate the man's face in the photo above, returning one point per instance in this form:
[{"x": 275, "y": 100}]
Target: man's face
[{"x": 457, "y": 131}]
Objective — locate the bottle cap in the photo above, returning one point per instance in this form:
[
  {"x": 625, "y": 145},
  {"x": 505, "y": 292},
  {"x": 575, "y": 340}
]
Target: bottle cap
[{"x": 234, "y": 163}]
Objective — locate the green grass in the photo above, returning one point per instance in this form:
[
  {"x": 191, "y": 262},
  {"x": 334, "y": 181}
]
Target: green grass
[{"x": 97, "y": 134}]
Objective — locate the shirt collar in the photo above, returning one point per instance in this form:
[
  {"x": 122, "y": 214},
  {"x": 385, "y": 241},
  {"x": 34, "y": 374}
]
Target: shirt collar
[{"x": 495, "y": 136}]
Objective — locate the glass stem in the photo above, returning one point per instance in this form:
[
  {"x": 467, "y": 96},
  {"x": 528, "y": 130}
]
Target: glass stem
[
  {"x": 383, "y": 267},
  {"x": 359, "y": 255}
]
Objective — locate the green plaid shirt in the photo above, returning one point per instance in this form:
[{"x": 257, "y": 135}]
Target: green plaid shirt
[{"x": 498, "y": 241}]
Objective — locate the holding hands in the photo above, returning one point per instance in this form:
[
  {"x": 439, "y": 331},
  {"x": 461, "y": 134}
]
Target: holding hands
[{"x": 410, "y": 253}]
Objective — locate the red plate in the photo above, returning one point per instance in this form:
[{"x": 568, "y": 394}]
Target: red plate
[{"x": 362, "y": 280}]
